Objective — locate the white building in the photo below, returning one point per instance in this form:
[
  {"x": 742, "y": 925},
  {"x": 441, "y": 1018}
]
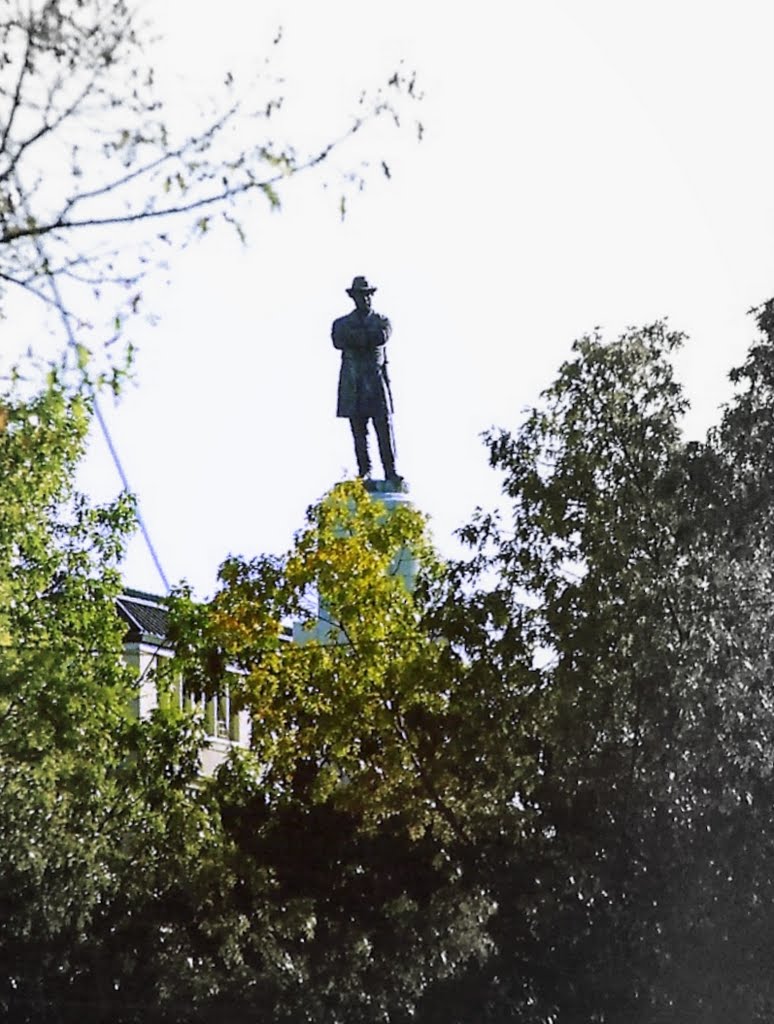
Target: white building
[{"x": 145, "y": 646}]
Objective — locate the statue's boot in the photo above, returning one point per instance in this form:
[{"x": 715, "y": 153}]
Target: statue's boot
[
  {"x": 386, "y": 447},
  {"x": 360, "y": 437}
]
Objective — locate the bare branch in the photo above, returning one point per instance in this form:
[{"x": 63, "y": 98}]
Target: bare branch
[
  {"x": 28, "y": 287},
  {"x": 17, "y": 94},
  {"x": 153, "y": 165},
  {"x": 84, "y": 104},
  {"x": 46, "y": 128},
  {"x": 32, "y": 230}
]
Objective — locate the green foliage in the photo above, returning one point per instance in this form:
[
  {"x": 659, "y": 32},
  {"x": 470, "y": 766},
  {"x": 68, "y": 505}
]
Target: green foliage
[
  {"x": 95, "y": 829},
  {"x": 570, "y": 729},
  {"x": 536, "y": 786},
  {"x": 618, "y": 619},
  {"x": 336, "y": 816},
  {"x": 339, "y": 699}
]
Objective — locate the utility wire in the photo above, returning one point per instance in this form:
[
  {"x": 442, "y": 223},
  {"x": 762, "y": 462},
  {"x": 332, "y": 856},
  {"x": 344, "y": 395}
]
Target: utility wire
[
  {"x": 57, "y": 297},
  {"x": 125, "y": 483},
  {"x": 103, "y": 425},
  {"x": 107, "y": 436},
  {"x": 310, "y": 647}
]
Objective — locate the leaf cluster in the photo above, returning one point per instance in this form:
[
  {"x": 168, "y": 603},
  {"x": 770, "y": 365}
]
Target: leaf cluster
[{"x": 620, "y": 611}]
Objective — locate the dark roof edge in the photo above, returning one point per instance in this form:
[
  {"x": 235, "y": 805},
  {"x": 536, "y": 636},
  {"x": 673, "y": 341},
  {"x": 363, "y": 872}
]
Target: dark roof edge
[{"x": 159, "y": 600}]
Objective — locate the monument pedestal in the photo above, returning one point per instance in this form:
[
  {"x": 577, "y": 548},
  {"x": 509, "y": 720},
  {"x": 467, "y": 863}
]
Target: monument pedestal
[
  {"x": 391, "y": 495},
  {"x": 397, "y": 485}
]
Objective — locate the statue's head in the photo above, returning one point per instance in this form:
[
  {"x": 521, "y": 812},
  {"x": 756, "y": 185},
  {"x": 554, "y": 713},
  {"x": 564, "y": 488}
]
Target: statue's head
[{"x": 361, "y": 293}]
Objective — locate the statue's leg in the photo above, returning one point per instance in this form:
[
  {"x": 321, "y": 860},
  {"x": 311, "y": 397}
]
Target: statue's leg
[
  {"x": 386, "y": 446},
  {"x": 359, "y": 425}
]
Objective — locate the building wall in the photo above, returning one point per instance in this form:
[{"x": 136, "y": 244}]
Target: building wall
[{"x": 224, "y": 726}]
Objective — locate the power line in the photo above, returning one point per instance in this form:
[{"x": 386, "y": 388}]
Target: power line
[
  {"x": 125, "y": 483},
  {"x": 309, "y": 647},
  {"x": 63, "y": 316},
  {"x": 108, "y": 438}
]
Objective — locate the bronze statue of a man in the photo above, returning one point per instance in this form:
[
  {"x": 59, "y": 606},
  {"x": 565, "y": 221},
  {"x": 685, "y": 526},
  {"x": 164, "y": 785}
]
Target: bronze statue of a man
[{"x": 364, "y": 386}]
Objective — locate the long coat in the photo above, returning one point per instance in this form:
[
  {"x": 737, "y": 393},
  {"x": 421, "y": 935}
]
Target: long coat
[{"x": 364, "y": 386}]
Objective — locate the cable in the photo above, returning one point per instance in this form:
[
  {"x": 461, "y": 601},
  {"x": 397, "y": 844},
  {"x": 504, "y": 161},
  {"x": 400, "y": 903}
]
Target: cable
[
  {"x": 106, "y": 434},
  {"x": 125, "y": 483},
  {"x": 310, "y": 647},
  {"x": 52, "y": 282}
]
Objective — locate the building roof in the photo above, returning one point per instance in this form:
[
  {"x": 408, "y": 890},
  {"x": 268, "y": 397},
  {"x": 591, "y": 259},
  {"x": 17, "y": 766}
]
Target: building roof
[
  {"x": 145, "y": 615},
  {"x": 147, "y": 618}
]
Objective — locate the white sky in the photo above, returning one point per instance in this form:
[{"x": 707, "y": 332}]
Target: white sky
[{"x": 602, "y": 162}]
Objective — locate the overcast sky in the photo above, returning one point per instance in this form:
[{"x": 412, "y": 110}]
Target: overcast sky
[{"x": 589, "y": 163}]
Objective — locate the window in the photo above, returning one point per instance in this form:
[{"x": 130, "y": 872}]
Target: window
[{"x": 220, "y": 717}]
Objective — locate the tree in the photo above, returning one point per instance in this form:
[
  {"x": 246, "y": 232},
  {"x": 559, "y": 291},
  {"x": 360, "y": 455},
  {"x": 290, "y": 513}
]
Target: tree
[
  {"x": 132, "y": 890},
  {"x": 538, "y": 787},
  {"x": 624, "y": 644},
  {"x": 112, "y": 858},
  {"x": 574, "y": 722},
  {"x": 337, "y": 801},
  {"x": 97, "y": 818},
  {"x": 77, "y": 93}
]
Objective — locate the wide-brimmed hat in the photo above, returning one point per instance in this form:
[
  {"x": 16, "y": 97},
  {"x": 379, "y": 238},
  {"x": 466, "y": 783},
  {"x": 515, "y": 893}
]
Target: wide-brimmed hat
[{"x": 360, "y": 284}]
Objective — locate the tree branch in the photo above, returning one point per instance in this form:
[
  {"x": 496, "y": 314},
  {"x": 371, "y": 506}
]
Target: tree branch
[
  {"x": 36, "y": 230},
  {"x": 46, "y": 128},
  {"x": 43, "y": 297},
  {"x": 442, "y": 807},
  {"x": 17, "y": 95}
]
